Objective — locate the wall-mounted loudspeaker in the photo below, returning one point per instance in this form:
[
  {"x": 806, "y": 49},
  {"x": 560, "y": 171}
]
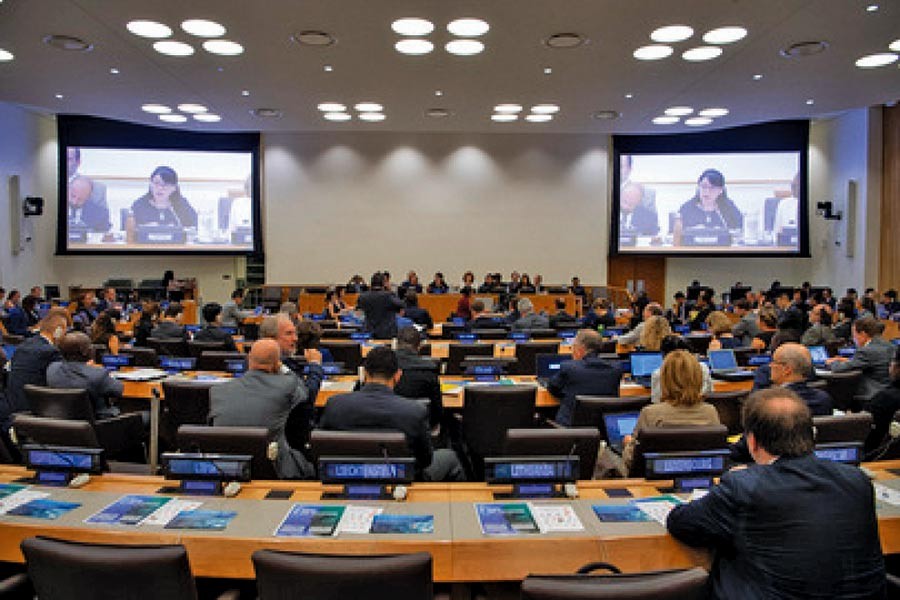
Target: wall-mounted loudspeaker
[
  {"x": 15, "y": 215},
  {"x": 850, "y": 218}
]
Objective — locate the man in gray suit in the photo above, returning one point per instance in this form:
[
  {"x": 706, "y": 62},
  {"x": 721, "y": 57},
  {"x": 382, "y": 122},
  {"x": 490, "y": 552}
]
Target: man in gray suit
[
  {"x": 529, "y": 318},
  {"x": 264, "y": 397},
  {"x": 747, "y": 328},
  {"x": 873, "y": 357},
  {"x": 73, "y": 372}
]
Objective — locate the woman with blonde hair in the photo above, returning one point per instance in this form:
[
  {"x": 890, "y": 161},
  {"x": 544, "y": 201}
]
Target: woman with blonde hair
[
  {"x": 719, "y": 325},
  {"x": 655, "y": 329}
]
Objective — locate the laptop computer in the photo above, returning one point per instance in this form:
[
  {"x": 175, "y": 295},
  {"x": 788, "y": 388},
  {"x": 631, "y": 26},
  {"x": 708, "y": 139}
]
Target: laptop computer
[
  {"x": 819, "y": 356},
  {"x": 642, "y": 366},
  {"x": 549, "y": 365},
  {"x": 618, "y": 425},
  {"x": 723, "y": 365}
]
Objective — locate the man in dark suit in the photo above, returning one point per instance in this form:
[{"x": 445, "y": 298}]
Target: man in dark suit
[
  {"x": 73, "y": 372},
  {"x": 82, "y": 212},
  {"x": 883, "y": 406},
  {"x": 791, "y": 525},
  {"x": 480, "y": 318},
  {"x": 264, "y": 397},
  {"x": 791, "y": 367},
  {"x": 169, "y": 326},
  {"x": 417, "y": 315},
  {"x": 376, "y": 407},
  {"x": 586, "y": 374},
  {"x": 211, "y": 331},
  {"x": 873, "y": 357},
  {"x": 561, "y": 315},
  {"x": 419, "y": 377},
  {"x": 380, "y": 306}
]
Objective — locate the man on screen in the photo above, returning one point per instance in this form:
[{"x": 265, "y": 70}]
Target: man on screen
[
  {"x": 73, "y": 170},
  {"x": 83, "y": 212},
  {"x": 634, "y": 217}
]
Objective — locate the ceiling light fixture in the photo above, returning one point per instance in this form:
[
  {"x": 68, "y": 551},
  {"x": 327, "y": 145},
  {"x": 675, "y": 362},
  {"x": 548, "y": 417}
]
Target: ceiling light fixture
[
  {"x": 504, "y": 118},
  {"x": 564, "y": 41},
  {"x": 876, "y": 60},
  {"x": 267, "y": 113},
  {"x": 547, "y": 70},
  {"x": 245, "y": 92},
  {"x": 371, "y": 116},
  {"x": 149, "y": 29},
  {"x": 464, "y": 47},
  {"x": 68, "y": 43},
  {"x": 223, "y": 47},
  {"x": 368, "y": 107},
  {"x": 332, "y": 107},
  {"x": 605, "y": 115},
  {"x": 414, "y": 47},
  {"x": 678, "y": 111},
  {"x": 701, "y": 53},
  {"x": 665, "y": 120},
  {"x": 173, "y": 48},
  {"x": 313, "y": 37},
  {"x": 203, "y": 28},
  {"x": 671, "y": 33},
  {"x": 328, "y": 68},
  {"x": 172, "y": 118},
  {"x": 653, "y": 52},
  {"x": 757, "y": 77},
  {"x": 207, "y": 118},
  {"x": 895, "y": 46},
  {"x": 508, "y": 108},
  {"x": 113, "y": 71},
  {"x": 697, "y": 121},
  {"x": 438, "y": 93},
  {"x": 872, "y": 8},
  {"x": 338, "y": 117},
  {"x": 156, "y": 109},
  {"x": 629, "y": 96},
  {"x": 725, "y": 35},
  {"x": 545, "y": 109},
  {"x": 810, "y": 102},
  {"x": 713, "y": 112},
  {"x": 192, "y": 108},
  {"x": 468, "y": 27},
  {"x": 412, "y": 26},
  {"x": 6, "y": 55},
  {"x": 437, "y": 113},
  {"x": 804, "y": 49},
  {"x": 59, "y": 96},
  {"x": 538, "y": 118}
]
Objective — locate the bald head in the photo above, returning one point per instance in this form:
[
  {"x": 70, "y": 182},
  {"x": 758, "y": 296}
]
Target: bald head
[
  {"x": 265, "y": 356},
  {"x": 777, "y": 423},
  {"x": 791, "y": 362}
]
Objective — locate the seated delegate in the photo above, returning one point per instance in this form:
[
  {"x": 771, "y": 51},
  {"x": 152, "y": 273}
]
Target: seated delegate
[
  {"x": 163, "y": 204},
  {"x": 710, "y": 207}
]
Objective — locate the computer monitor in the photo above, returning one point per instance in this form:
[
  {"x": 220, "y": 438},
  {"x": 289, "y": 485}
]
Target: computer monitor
[
  {"x": 361, "y": 336},
  {"x": 229, "y": 330},
  {"x": 465, "y": 337},
  {"x": 819, "y": 355},
  {"x": 192, "y": 328},
  {"x": 618, "y": 425},
  {"x": 365, "y": 477},
  {"x": 113, "y": 362},
  {"x": 613, "y": 331},
  {"x": 532, "y": 476},
  {"x": 847, "y": 352},
  {"x": 483, "y": 371},
  {"x": 722, "y": 360},
  {"x": 549, "y": 365},
  {"x": 690, "y": 470},
  {"x": 205, "y": 473},
  {"x": 57, "y": 465},
  {"x": 849, "y": 453},
  {"x": 759, "y": 360},
  {"x": 644, "y": 363},
  {"x": 175, "y": 364},
  {"x": 519, "y": 336},
  {"x": 682, "y": 329},
  {"x": 236, "y": 366}
]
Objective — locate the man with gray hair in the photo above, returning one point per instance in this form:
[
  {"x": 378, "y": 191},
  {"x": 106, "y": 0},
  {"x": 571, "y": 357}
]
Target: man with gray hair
[
  {"x": 654, "y": 309},
  {"x": 791, "y": 367},
  {"x": 529, "y": 318},
  {"x": 73, "y": 372},
  {"x": 282, "y": 330},
  {"x": 586, "y": 374},
  {"x": 290, "y": 309}
]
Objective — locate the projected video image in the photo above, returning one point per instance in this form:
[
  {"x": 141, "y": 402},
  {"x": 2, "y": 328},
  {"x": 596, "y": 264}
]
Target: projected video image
[
  {"x": 740, "y": 202},
  {"x": 165, "y": 200}
]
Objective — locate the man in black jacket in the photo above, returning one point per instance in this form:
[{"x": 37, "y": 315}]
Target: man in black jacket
[
  {"x": 211, "y": 331},
  {"x": 169, "y": 326},
  {"x": 419, "y": 377},
  {"x": 883, "y": 405},
  {"x": 417, "y": 315},
  {"x": 587, "y": 374},
  {"x": 380, "y": 306}
]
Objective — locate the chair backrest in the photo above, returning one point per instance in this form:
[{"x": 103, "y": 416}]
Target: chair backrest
[
  {"x": 358, "y": 443},
  {"x": 578, "y": 441},
  {"x": 349, "y": 353},
  {"x": 166, "y": 347},
  {"x": 545, "y": 333},
  {"x": 842, "y": 388},
  {"x": 589, "y": 410},
  {"x": 196, "y": 349},
  {"x": 458, "y": 353},
  {"x": 743, "y": 354},
  {"x": 526, "y": 355},
  {"x": 143, "y": 357},
  {"x": 699, "y": 344},
  {"x": 59, "y": 403},
  {"x": 728, "y": 405},
  {"x": 488, "y": 412},
  {"x": 63, "y": 570},
  {"x": 186, "y": 403},
  {"x": 325, "y": 577},
  {"x": 231, "y": 440},
  {"x": 55, "y": 432},
  {"x": 686, "y": 584},
  {"x": 677, "y": 439},
  {"x": 215, "y": 360},
  {"x": 853, "y": 427},
  {"x": 337, "y": 334}
]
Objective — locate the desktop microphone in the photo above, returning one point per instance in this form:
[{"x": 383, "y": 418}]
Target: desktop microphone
[
  {"x": 571, "y": 489},
  {"x": 399, "y": 492}
]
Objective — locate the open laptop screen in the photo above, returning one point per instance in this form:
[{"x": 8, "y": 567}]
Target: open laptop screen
[
  {"x": 819, "y": 355},
  {"x": 618, "y": 425},
  {"x": 720, "y": 360},
  {"x": 548, "y": 365},
  {"x": 644, "y": 363}
]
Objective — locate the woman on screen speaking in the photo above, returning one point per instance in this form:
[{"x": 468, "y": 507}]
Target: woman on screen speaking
[
  {"x": 710, "y": 207},
  {"x": 163, "y": 203}
]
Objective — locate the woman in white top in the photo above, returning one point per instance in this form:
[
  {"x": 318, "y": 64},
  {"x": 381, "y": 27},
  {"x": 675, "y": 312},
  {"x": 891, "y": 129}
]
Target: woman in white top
[{"x": 670, "y": 343}]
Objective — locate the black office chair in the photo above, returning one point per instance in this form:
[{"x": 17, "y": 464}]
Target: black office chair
[
  {"x": 196, "y": 349},
  {"x": 679, "y": 584},
  {"x": 743, "y": 354},
  {"x": 853, "y": 427},
  {"x": 688, "y": 438},
  {"x": 253, "y": 441},
  {"x": 460, "y": 352},
  {"x": 185, "y": 403},
  {"x": 728, "y": 405},
  {"x": 375, "y": 444},
  {"x": 698, "y": 343},
  {"x": 143, "y": 357},
  {"x": 213, "y": 360},
  {"x": 271, "y": 298},
  {"x": 582, "y": 442},
  {"x": 526, "y": 355},
  {"x": 589, "y": 410},
  {"x": 326, "y": 577},
  {"x": 167, "y": 347},
  {"x": 842, "y": 389},
  {"x": 545, "y": 333},
  {"x": 488, "y": 412},
  {"x": 349, "y": 353},
  {"x": 494, "y": 333},
  {"x": 54, "y": 432}
]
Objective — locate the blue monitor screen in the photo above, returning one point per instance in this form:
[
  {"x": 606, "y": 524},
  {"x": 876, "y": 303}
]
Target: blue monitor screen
[
  {"x": 229, "y": 330},
  {"x": 682, "y": 329},
  {"x": 466, "y": 337},
  {"x": 114, "y": 361},
  {"x": 9, "y": 350},
  {"x": 236, "y": 365},
  {"x": 361, "y": 336},
  {"x": 50, "y": 458},
  {"x": 843, "y": 454},
  {"x": 532, "y": 470},
  {"x": 192, "y": 328},
  {"x": 847, "y": 352},
  {"x": 896, "y": 341},
  {"x": 519, "y": 336},
  {"x": 618, "y": 425},
  {"x": 208, "y": 467},
  {"x": 695, "y": 463},
  {"x": 722, "y": 359},
  {"x": 819, "y": 354},
  {"x": 177, "y": 364},
  {"x": 644, "y": 363},
  {"x": 458, "y": 321},
  {"x": 376, "y": 471},
  {"x": 760, "y": 360},
  {"x": 613, "y": 331}
]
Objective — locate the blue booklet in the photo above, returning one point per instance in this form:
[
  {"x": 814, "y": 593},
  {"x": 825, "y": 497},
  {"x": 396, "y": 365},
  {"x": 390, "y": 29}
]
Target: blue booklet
[
  {"x": 307, "y": 519},
  {"x": 42, "y": 508},
  {"x": 202, "y": 519},
  {"x": 128, "y": 510},
  {"x": 403, "y": 524},
  {"x": 619, "y": 513},
  {"x": 506, "y": 519},
  {"x": 8, "y": 489}
]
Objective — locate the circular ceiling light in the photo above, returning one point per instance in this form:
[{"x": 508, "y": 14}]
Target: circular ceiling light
[
  {"x": 713, "y": 112},
  {"x": 545, "y": 109},
  {"x": 58, "y": 96},
  {"x": 369, "y": 107},
  {"x": 312, "y": 37},
  {"x": 757, "y": 77},
  {"x": 172, "y": 118},
  {"x": 437, "y": 113},
  {"x": 724, "y": 35},
  {"x": 468, "y": 27},
  {"x": 68, "y": 43},
  {"x": 5, "y": 55},
  {"x": 803, "y": 49},
  {"x": 412, "y": 26},
  {"x": 208, "y": 118},
  {"x": 810, "y": 102},
  {"x": 508, "y": 108},
  {"x": 678, "y": 111},
  {"x": 192, "y": 108},
  {"x": 156, "y": 109},
  {"x": 895, "y": 46},
  {"x": 563, "y": 41},
  {"x": 671, "y": 33},
  {"x": 332, "y": 107},
  {"x": 538, "y": 118},
  {"x": 653, "y": 52},
  {"x": 701, "y": 53},
  {"x": 172, "y": 48},
  {"x": 371, "y": 116},
  {"x": 665, "y": 120},
  {"x": 149, "y": 29},
  {"x": 504, "y": 117},
  {"x": 464, "y": 47},
  {"x": 605, "y": 115},
  {"x": 697, "y": 121},
  {"x": 267, "y": 113},
  {"x": 203, "y": 28},
  {"x": 223, "y": 47},
  {"x": 876, "y": 60},
  {"x": 337, "y": 116},
  {"x": 414, "y": 47}
]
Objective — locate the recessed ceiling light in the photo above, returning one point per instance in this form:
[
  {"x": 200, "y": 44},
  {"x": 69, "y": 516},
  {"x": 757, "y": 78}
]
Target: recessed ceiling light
[
  {"x": 464, "y": 47},
  {"x": 504, "y": 117},
  {"x": 468, "y": 27},
  {"x": 332, "y": 107},
  {"x": 313, "y": 37},
  {"x": 172, "y": 48},
  {"x": 203, "y": 28},
  {"x": 629, "y": 96},
  {"x": 724, "y": 35},
  {"x": 414, "y": 47},
  {"x": 701, "y": 53},
  {"x": 803, "y": 49},
  {"x": 156, "y": 109},
  {"x": 68, "y": 43},
  {"x": 653, "y": 52},
  {"x": 192, "y": 108},
  {"x": 508, "y": 108},
  {"x": 678, "y": 111},
  {"x": 223, "y": 47},
  {"x": 697, "y": 121},
  {"x": 563, "y": 41},
  {"x": 547, "y": 70},
  {"x": 438, "y": 93},
  {"x": 173, "y": 118},
  {"x": 665, "y": 120},
  {"x": 605, "y": 115},
  {"x": 337, "y": 116},
  {"x": 538, "y": 118},
  {"x": 245, "y": 92},
  {"x": 371, "y": 116},
  {"x": 267, "y": 113},
  {"x": 872, "y": 8},
  {"x": 369, "y": 107},
  {"x": 437, "y": 113},
  {"x": 208, "y": 118},
  {"x": 328, "y": 68},
  {"x": 59, "y": 96},
  {"x": 876, "y": 60},
  {"x": 545, "y": 109},
  {"x": 757, "y": 77},
  {"x": 713, "y": 112},
  {"x": 149, "y": 29},
  {"x": 810, "y": 102},
  {"x": 114, "y": 71},
  {"x": 412, "y": 26},
  {"x": 671, "y": 33},
  {"x": 5, "y": 55},
  {"x": 895, "y": 46}
]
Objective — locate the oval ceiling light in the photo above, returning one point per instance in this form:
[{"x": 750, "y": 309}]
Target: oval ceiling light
[
  {"x": 678, "y": 111},
  {"x": 438, "y": 113},
  {"x": 369, "y": 107},
  {"x": 371, "y": 116},
  {"x": 895, "y": 46},
  {"x": 5, "y": 55},
  {"x": 172, "y": 118},
  {"x": 464, "y": 47},
  {"x": 68, "y": 43},
  {"x": 412, "y": 26},
  {"x": 203, "y": 28},
  {"x": 504, "y": 117},
  {"x": 312, "y": 37},
  {"x": 725, "y": 35},
  {"x": 564, "y": 41},
  {"x": 332, "y": 107},
  {"x": 876, "y": 60},
  {"x": 223, "y": 47},
  {"x": 508, "y": 108},
  {"x": 653, "y": 52},
  {"x": 267, "y": 113},
  {"x": 701, "y": 53},
  {"x": 605, "y": 115},
  {"x": 172, "y": 48},
  {"x": 671, "y": 33},
  {"x": 697, "y": 121},
  {"x": 208, "y": 118},
  {"x": 414, "y": 47},
  {"x": 192, "y": 108},
  {"x": 539, "y": 118},
  {"x": 713, "y": 112},
  {"x": 149, "y": 29},
  {"x": 803, "y": 49},
  {"x": 337, "y": 116},
  {"x": 156, "y": 109},
  {"x": 665, "y": 120},
  {"x": 468, "y": 27},
  {"x": 545, "y": 109}
]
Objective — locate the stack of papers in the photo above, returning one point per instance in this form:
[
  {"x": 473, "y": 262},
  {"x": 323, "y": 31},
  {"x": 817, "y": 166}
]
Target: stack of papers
[
  {"x": 139, "y": 374},
  {"x": 171, "y": 513},
  {"x": 525, "y": 518},
  {"x": 304, "y": 520}
]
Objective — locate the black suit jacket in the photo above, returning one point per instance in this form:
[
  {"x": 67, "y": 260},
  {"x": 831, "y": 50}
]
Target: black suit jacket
[
  {"x": 381, "y": 308},
  {"x": 28, "y": 365},
  {"x": 883, "y": 405},
  {"x": 211, "y": 333},
  {"x": 419, "y": 316},
  {"x": 798, "y": 528},
  {"x": 420, "y": 380},
  {"x": 590, "y": 376}
]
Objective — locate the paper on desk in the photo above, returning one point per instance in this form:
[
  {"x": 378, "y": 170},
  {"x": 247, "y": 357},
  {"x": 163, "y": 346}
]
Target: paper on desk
[
  {"x": 556, "y": 517},
  {"x": 169, "y": 511},
  {"x": 886, "y": 494},
  {"x": 697, "y": 494},
  {"x": 358, "y": 519},
  {"x": 19, "y": 498},
  {"x": 658, "y": 508}
]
